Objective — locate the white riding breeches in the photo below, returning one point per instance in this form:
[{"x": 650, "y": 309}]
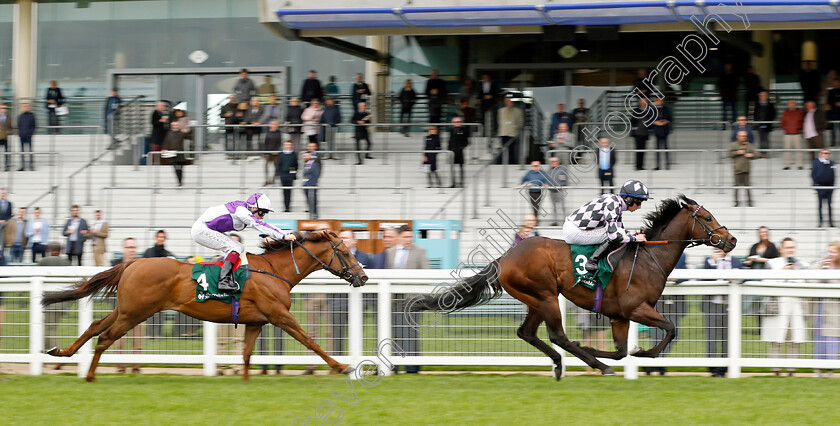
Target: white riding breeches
[
  {"x": 574, "y": 235},
  {"x": 214, "y": 239}
]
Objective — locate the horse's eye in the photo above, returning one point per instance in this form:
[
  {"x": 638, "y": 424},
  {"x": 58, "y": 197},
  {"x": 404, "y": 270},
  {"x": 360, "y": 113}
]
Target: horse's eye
[{"x": 708, "y": 218}]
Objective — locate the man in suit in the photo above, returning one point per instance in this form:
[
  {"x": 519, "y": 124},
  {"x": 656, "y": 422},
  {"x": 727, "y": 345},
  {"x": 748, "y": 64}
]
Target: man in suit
[
  {"x": 76, "y": 230},
  {"x": 311, "y": 174},
  {"x": 459, "y": 139},
  {"x": 338, "y": 302},
  {"x": 362, "y": 118},
  {"x": 360, "y": 92},
  {"x": 715, "y": 307},
  {"x": 97, "y": 235},
  {"x": 822, "y": 174},
  {"x": 488, "y": 93},
  {"x": 311, "y": 88},
  {"x": 813, "y": 126},
  {"x": 38, "y": 233},
  {"x": 15, "y": 235},
  {"x": 606, "y": 163},
  {"x": 26, "y": 126},
  {"x": 406, "y": 255},
  {"x": 436, "y": 93},
  {"x": 287, "y": 165}
]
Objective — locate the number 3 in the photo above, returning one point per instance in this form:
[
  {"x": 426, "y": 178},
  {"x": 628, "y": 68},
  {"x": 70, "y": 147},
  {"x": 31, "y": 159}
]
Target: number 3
[{"x": 581, "y": 261}]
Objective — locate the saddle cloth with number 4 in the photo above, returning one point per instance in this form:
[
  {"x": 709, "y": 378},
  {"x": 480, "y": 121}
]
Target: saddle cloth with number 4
[{"x": 206, "y": 274}]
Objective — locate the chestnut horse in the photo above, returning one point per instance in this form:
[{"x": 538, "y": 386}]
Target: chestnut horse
[
  {"x": 537, "y": 270},
  {"x": 147, "y": 286}
]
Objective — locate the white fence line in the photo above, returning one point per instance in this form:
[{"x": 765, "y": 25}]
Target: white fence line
[{"x": 735, "y": 284}]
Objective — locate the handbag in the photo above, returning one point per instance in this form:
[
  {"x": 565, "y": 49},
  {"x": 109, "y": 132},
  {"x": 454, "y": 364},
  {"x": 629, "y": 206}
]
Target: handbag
[{"x": 769, "y": 306}]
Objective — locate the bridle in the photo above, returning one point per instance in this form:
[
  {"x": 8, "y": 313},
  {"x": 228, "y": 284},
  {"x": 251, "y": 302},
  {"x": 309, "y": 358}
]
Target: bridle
[
  {"x": 344, "y": 273},
  {"x": 713, "y": 239}
]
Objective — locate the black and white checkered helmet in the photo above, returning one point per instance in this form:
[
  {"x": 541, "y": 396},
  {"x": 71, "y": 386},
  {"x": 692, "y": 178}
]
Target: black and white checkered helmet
[{"x": 635, "y": 189}]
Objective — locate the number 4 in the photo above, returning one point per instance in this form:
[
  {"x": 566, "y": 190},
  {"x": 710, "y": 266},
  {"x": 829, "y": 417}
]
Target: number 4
[{"x": 202, "y": 281}]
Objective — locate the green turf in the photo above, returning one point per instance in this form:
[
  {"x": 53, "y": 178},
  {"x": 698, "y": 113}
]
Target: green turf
[{"x": 409, "y": 399}]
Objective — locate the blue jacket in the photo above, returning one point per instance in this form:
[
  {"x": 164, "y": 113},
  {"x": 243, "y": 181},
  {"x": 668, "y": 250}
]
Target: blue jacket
[
  {"x": 822, "y": 174},
  {"x": 331, "y": 115},
  {"x": 311, "y": 172},
  {"x": 26, "y": 124},
  {"x": 534, "y": 178},
  {"x": 377, "y": 261},
  {"x": 364, "y": 258},
  {"x": 30, "y": 231}
]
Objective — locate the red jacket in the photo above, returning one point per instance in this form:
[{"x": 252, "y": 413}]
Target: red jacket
[{"x": 792, "y": 121}]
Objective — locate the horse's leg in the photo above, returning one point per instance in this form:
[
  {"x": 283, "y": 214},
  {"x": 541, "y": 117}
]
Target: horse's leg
[
  {"x": 528, "y": 332},
  {"x": 554, "y": 321},
  {"x": 121, "y": 325},
  {"x": 252, "y": 331},
  {"x": 647, "y": 315},
  {"x": 285, "y": 320},
  {"x": 619, "y": 330},
  {"x": 95, "y": 329}
]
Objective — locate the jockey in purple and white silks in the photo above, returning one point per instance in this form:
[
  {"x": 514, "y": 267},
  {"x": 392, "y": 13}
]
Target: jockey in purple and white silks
[
  {"x": 210, "y": 228},
  {"x": 599, "y": 221}
]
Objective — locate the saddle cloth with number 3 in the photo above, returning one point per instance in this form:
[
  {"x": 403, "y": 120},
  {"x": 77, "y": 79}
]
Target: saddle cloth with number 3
[{"x": 581, "y": 254}]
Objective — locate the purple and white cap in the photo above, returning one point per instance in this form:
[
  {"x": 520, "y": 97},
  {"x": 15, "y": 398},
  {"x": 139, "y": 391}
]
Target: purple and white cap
[{"x": 260, "y": 201}]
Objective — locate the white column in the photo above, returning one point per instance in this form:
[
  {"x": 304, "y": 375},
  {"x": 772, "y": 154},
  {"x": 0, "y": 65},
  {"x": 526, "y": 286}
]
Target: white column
[
  {"x": 631, "y": 368},
  {"x": 36, "y": 326},
  {"x": 383, "y": 325},
  {"x": 85, "y": 320},
  {"x": 210, "y": 331},
  {"x": 355, "y": 329},
  {"x": 24, "y": 49},
  {"x": 734, "y": 337}
]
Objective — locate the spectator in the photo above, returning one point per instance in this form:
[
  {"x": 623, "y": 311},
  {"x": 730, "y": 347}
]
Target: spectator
[
  {"x": 16, "y": 235},
  {"x": 406, "y": 255},
  {"x": 229, "y": 116},
  {"x": 459, "y": 139},
  {"x": 562, "y": 137},
  {"x": 822, "y": 174},
  {"x": 742, "y": 153},
  {"x": 158, "y": 250},
  {"x": 331, "y": 117},
  {"x": 833, "y": 104},
  {"x": 112, "y": 110},
  {"x": 361, "y": 118},
  {"x": 641, "y": 132},
  {"x": 742, "y": 126},
  {"x": 809, "y": 80},
  {"x": 311, "y": 174},
  {"x": 293, "y": 113},
  {"x": 510, "y": 122},
  {"x": 764, "y": 111},
  {"x": 360, "y": 92},
  {"x": 432, "y": 143},
  {"x": 172, "y": 150},
  {"x": 535, "y": 180},
  {"x": 784, "y": 314},
  {"x": 527, "y": 230},
  {"x": 728, "y": 88},
  {"x": 752, "y": 86},
  {"x": 311, "y": 88},
  {"x": 54, "y": 100},
  {"x": 160, "y": 122},
  {"x": 332, "y": 87},
  {"x": 6, "y": 209},
  {"x": 558, "y": 177},
  {"x": 318, "y": 309},
  {"x": 607, "y": 158},
  {"x": 98, "y": 233},
  {"x": 244, "y": 89},
  {"x": 54, "y": 259},
  {"x": 827, "y": 318},
  {"x": 716, "y": 310},
  {"x": 76, "y": 230},
  {"x": 267, "y": 88},
  {"x": 253, "y": 116},
  {"x": 407, "y": 97},
  {"x": 467, "y": 92},
  {"x": 581, "y": 115},
  {"x": 762, "y": 251},
  {"x": 287, "y": 165},
  {"x": 271, "y": 146},
  {"x": 38, "y": 232},
  {"x": 311, "y": 116},
  {"x": 389, "y": 239},
  {"x": 5, "y": 131},
  {"x": 792, "y": 120},
  {"x": 25, "y": 129},
  {"x": 489, "y": 92},
  {"x": 561, "y": 116},
  {"x": 135, "y": 335},
  {"x": 813, "y": 126},
  {"x": 272, "y": 111},
  {"x": 436, "y": 93},
  {"x": 661, "y": 130},
  {"x": 338, "y": 302}
]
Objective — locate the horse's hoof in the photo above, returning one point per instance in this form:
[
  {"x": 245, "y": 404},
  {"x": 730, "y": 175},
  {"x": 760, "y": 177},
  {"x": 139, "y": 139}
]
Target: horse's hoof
[
  {"x": 90, "y": 379},
  {"x": 608, "y": 372},
  {"x": 559, "y": 372},
  {"x": 348, "y": 370},
  {"x": 634, "y": 351},
  {"x": 52, "y": 351}
]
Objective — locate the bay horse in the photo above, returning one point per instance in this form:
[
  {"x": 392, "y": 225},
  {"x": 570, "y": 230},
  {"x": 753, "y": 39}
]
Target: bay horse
[
  {"x": 537, "y": 270},
  {"x": 147, "y": 286}
]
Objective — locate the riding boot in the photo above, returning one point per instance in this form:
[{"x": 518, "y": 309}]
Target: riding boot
[
  {"x": 600, "y": 252},
  {"x": 226, "y": 282}
]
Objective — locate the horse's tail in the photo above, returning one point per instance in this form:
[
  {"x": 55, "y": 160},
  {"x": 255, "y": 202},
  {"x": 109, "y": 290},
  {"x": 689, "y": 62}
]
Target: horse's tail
[
  {"x": 105, "y": 280},
  {"x": 475, "y": 290}
]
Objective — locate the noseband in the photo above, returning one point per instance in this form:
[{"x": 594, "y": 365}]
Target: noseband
[{"x": 712, "y": 239}]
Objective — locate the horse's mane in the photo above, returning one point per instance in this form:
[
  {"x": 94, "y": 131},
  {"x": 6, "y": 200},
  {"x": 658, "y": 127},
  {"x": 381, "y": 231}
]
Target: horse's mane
[
  {"x": 302, "y": 237},
  {"x": 656, "y": 220}
]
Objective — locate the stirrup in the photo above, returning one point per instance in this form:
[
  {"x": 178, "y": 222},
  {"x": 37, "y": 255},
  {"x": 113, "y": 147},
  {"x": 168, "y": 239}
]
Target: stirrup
[{"x": 227, "y": 284}]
